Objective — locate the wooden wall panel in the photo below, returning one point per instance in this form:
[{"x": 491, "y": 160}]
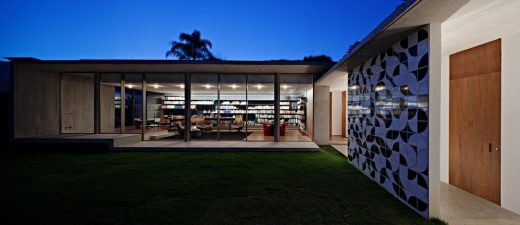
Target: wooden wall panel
[{"x": 474, "y": 128}]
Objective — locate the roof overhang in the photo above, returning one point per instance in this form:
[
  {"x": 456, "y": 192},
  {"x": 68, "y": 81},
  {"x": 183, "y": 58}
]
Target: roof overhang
[
  {"x": 175, "y": 66},
  {"x": 408, "y": 17}
]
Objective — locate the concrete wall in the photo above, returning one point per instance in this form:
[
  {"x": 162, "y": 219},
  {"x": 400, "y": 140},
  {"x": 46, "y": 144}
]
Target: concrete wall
[
  {"x": 36, "y": 102},
  {"x": 310, "y": 114},
  {"x": 336, "y": 113},
  {"x": 510, "y": 150},
  {"x": 107, "y": 108},
  {"x": 77, "y": 103},
  {"x": 509, "y": 121},
  {"x": 321, "y": 115}
]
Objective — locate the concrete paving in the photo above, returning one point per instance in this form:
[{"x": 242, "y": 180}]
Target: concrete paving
[
  {"x": 459, "y": 207},
  {"x": 220, "y": 146},
  {"x": 343, "y": 149}
]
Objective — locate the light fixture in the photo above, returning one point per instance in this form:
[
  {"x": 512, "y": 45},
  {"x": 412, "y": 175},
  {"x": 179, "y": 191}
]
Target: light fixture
[
  {"x": 155, "y": 86},
  {"x": 259, "y": 86},
  {"x": 285, "y": 86},
  {"x": 181, "y": 86},
  {"x": 130, "y": 86},
  {"x": 234, "y": 86},
  {"x": 207, "y": 86}
]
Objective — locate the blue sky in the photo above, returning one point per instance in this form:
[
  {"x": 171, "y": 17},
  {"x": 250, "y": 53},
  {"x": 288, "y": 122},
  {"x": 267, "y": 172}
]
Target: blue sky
[{"x": 239, "y": 30}]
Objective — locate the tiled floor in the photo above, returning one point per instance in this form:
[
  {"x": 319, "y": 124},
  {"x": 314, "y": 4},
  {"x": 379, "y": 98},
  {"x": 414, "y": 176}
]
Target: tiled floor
[
  {"x": 462, "y": 208},
  {"x": 338, "y": 140}
]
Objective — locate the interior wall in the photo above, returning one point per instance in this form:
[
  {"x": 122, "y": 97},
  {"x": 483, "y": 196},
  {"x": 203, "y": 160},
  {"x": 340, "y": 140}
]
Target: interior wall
[
  {"x": 153, "y": 105},
  {"x": 336, "y": 113},
  {"x": 36, "y": 102},
  {"x": 77, "y": 103},
  {"x": 510, "y": 152},
  {"x": 107, "y": 108}
]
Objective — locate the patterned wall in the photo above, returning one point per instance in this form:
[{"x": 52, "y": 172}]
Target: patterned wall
[{"x": 388, "y": 120}]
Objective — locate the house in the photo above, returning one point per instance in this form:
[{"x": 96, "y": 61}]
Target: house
[{"x": 427, "y": 100}]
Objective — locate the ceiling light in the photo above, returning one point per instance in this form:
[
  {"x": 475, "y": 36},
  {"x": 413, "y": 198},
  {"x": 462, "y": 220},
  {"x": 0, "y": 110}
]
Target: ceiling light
[
  {"x": 285, "y": 86},
  {"x": 130, "y": 86},
  {"x": 234, "y": 86},
  {"x": 155, "y": 86},
  {"x": 259, "y": 86},
  {"x": 181, "y": 86},
  {"x": 207, "y": 86}
]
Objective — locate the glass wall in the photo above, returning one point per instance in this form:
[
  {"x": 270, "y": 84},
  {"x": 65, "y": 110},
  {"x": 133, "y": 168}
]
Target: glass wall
[
  {"x": 260, "y": 107},
  {"x": 77, "y": 103},
  {"x": 110, "y": 103},
  {"x": 133, "y": 107},
  {"x": 233, "y": 105},
  {"x": 164, "y": 106},
  {"x": 296, "y": 107},
  {"x": 204, "y": 103}
]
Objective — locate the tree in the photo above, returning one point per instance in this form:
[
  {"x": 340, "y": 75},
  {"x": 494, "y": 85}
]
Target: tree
[
  {"x": 317, "y": 58},
  {"x": 352, "y": 46},
  {"x": 191, "y": 47}
]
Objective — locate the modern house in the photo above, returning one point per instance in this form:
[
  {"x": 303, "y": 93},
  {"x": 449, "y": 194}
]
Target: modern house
[{"x": 427, "y": 101}]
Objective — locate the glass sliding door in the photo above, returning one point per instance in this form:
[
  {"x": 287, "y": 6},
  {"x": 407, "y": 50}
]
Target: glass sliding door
[
  {"x": 233, "y": 107},
  {"x": 110, "y": 103},
  {"x": 133, "y": 103},
  {"x": 164, "y": 107},
  {"x": 77, "y": 103},
  {"x": 296, "y": 107},
  {"x": 205, "y": 118},
  {"x": 260, "y": 107}
]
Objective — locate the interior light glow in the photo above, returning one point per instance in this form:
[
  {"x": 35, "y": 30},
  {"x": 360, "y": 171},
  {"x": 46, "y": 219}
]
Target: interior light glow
[
  {"x": 207, "y": 86},
  {"x": 130, "y": 86},
  {"x": 285, "y": 86},
  {"x": 181, "y": 86},
  {"x": 234, "y": 86},
  {"x": 155, "y": 86},
  {"x": 259, "y": 86}
]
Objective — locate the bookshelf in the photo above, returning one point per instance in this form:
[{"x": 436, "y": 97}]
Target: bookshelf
[{"x": 256, "y": 111}]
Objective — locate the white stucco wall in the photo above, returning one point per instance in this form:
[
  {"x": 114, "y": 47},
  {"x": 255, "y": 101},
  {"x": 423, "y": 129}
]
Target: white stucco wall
[
  {"x": 510, "y": 109},
  {"x": 336, "y": 112},
  {"x": 510, "y": 167}
]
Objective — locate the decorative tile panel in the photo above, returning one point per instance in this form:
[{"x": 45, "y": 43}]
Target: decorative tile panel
[{"x": 388, "y": 120}]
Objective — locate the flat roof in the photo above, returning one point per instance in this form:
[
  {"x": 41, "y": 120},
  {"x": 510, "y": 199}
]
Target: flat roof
[{"x": 202, "y": 66}]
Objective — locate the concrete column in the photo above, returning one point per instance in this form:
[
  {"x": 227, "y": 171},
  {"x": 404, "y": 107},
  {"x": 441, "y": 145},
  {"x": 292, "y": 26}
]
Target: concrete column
[
  {"x": 277, "y": 107},
  {"x": 321, "y": 115},
  {"x": 434, "y": 119},
  {"x": 187, "y": 106},
  {"x": 122, "y": 104},
  {"x": 97, "y": 90},
  {"x": 144, "y": 114}
]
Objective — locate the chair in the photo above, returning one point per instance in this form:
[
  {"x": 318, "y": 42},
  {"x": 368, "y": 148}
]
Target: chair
[
  {"x": 237, "y": 125},
  {"x": 266, "y": 129},
  {"x": 282, "y": 128},
  {"x": 180, "y": 129}
]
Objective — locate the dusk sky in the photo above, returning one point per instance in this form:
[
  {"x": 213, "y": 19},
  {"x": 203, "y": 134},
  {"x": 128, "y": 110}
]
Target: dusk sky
[{"x": 239, "y": 30}]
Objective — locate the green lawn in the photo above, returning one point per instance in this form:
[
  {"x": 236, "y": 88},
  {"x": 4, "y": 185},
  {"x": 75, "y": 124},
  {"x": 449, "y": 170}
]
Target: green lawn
[{"x": 193, "y": 188}]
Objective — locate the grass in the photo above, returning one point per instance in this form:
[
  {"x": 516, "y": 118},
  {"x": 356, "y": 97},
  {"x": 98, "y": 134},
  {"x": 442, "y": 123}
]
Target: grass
[{"x": 193, "y": 188}]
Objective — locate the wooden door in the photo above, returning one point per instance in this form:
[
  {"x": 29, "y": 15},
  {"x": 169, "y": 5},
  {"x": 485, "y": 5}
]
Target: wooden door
[{"x": 474, "y": 154}]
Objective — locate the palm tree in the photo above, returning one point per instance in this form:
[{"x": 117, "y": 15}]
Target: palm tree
[{"x": 191, "y": 47}]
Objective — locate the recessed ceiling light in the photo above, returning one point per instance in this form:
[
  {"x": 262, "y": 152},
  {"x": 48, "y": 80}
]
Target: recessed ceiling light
[
  {"x": 130, "y": 86},
  {"x": 181, "y": 86},
  {"x": 155, "y": 86},
  {"x": 234, "y": 86},
  {"x": 285, "y": 86},
  {"x": 207, "y": 86},
  {"x": 259, "y": 86}
]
